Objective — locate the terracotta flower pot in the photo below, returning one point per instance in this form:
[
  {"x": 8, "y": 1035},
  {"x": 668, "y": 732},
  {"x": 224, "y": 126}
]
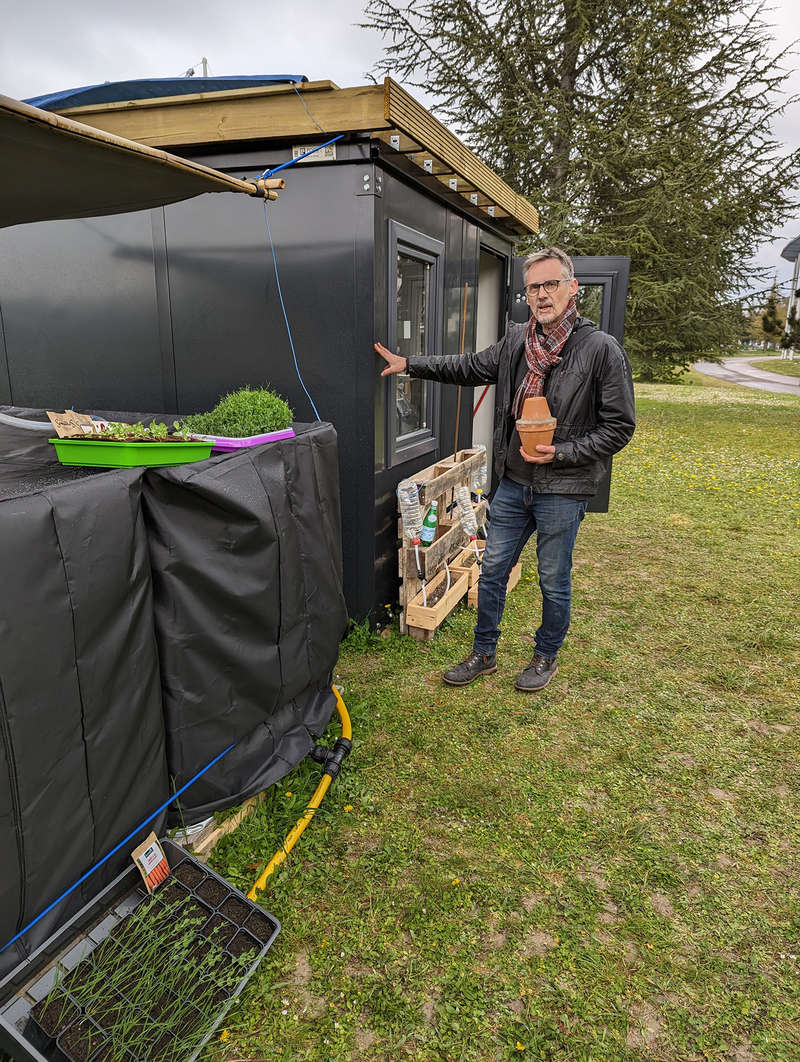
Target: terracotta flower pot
[
  {"x": 535, "y": 433},
  {"x": 535, "y": 408}
]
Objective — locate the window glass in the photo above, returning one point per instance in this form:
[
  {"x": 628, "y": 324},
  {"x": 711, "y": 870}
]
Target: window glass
[
  {"x": 413, "y": 322},
  {"x": 590, "y": 302}
]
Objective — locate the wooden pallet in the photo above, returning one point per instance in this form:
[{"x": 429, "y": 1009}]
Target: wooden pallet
[
  {"x": 513, "y": 579},
  {"x": 437, "y": 483}
]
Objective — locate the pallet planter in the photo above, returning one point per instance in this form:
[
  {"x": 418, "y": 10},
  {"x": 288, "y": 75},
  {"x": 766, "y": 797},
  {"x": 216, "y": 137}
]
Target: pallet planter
[
  {"x": 513, "y": 579},
  {"x": 437, "y": 482},
  {"x": 466, "y": 562},
  {"x": 429, "y": 617},
  {"x": 137, "y": 978}
]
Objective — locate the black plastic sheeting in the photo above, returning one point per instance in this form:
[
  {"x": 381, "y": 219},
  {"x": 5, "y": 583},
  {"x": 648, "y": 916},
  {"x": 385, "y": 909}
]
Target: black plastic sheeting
[
  {"x": 82, "y": 747},
  {"x": 246, "y": 557},
  {"x": 149, "y": 619}
]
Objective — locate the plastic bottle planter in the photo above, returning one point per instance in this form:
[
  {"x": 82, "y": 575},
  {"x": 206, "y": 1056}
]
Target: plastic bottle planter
[
  {"x": 133, "y": 978},
  {"x": 226, "y": 442},
  {"x": 116, "y": 453}
]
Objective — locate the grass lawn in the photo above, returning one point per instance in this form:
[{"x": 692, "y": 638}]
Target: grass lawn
[
  {"x": 784, "y": 368},
  {"x": 608, "y": 870}
]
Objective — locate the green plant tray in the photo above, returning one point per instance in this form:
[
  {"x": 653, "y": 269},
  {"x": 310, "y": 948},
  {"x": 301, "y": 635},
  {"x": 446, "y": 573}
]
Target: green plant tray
[{"x": 112, "y": 453}]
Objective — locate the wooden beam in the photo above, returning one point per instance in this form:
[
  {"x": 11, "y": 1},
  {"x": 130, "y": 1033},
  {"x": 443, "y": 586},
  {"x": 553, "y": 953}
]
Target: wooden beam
[{"x": 240, "y": 115}]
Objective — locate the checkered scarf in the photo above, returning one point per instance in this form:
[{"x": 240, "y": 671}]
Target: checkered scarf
[{"x": 541, "y": 354}]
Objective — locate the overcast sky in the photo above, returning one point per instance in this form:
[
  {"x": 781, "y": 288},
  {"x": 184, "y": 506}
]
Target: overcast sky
[{"x": 46, "y": 46}]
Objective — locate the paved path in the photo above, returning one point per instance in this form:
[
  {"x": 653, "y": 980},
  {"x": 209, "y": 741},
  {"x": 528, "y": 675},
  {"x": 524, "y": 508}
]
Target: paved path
[{"x": 740, "y": 371}]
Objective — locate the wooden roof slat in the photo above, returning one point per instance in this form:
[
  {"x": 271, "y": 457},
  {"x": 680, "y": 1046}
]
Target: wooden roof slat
[
  {"x": 403, "y": 111},
  {"x": 273, "y": 112}
]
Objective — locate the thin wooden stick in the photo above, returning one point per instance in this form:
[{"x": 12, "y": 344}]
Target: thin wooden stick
[{"x": 461, "y": 353}]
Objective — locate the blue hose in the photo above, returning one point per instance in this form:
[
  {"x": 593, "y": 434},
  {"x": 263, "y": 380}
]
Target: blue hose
[{"x": 121, "y": 844}]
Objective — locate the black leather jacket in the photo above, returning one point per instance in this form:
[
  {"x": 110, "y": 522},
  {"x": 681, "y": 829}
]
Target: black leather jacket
[{"x": 590, "y": 393}]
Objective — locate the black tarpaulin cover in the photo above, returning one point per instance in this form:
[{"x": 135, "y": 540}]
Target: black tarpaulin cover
[
  {"x": 82, "y": 758},
  {"x": 215, "y": 619},
  {"x": 246, "y": 559}
]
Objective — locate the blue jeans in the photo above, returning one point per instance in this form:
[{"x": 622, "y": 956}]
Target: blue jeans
[{"x": 515, "y": 514}]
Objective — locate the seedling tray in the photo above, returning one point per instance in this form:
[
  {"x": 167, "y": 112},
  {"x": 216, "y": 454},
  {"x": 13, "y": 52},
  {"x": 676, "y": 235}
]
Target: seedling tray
[
  {"x": 238, "y": 924},
  {"x": 113, "y": 453},
  {"x": 228, "y": 442}
]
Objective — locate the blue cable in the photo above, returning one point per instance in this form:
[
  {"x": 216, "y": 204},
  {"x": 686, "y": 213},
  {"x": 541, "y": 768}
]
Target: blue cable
[
  {"x": 285, "y": 316},
  {"x": 121, "y": 844},
  {"x": 291, "y": 162}
]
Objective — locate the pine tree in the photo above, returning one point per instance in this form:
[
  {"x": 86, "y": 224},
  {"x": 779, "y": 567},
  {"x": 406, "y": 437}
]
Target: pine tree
[
  {"x": 790, "y": 340},
  {"x": 638, "y": 127},
  {"x": 771, "y": 323}
]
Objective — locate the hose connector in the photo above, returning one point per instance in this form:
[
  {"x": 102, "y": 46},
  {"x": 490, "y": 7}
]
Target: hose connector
[{"x": 332, "y": 759}]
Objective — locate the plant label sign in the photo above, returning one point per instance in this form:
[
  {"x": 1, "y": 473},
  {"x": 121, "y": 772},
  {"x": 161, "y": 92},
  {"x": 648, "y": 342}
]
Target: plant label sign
[
  {"x": 71, "y": 423},
  {"x": 151, "y": 861}
]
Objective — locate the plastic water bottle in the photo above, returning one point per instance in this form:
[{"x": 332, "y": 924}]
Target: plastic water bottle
[
  {"x": 410, "y": 511},
  {"x": 428, "y": 532},
  {"x": 480, "y": 476},
  {"x": 466, "y": 514}
]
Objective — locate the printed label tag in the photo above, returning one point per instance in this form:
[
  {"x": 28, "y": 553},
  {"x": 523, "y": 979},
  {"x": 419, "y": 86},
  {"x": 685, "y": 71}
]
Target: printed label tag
[
  {"x": 152, "y": 862},
  {"x": 71, "y": 423}
]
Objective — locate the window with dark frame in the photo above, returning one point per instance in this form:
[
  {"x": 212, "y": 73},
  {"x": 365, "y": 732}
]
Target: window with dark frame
[{"x": 415, "y": 321}]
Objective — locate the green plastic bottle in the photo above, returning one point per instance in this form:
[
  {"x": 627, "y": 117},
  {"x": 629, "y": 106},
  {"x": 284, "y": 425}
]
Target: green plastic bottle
[{"x": 428, "y": 532}]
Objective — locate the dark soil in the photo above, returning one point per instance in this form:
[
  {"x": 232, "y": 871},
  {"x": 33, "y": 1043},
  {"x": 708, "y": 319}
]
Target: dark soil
[
  {"x": 212, "y": 891},
  {"x": 188, "y": 874},
  {"x": 219, "y": 929},
  {"x": 172, "y": 894},
  {"x": 111, "y": 1053},
  {"x": 242, "y": 943},
  {"x": 54, "y": 1013},
  {"x": 189, "y": 1023},
  {"x": 164, "y": 1007},
  {"x": 195, "y": 911},
  {"x": 433, "y": 596},
  {"x": 81, "y": 1041},
  {"x": 260, "y": 926},
  {"x": 109, "y": 1012},
  {"x": 126, "y": 438},
  {"x": 83, "y": 972},
  {"x": 236, "y": 910}
]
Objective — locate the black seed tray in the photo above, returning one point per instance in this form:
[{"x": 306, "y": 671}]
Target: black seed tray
[{"x": 76, "y": 941}]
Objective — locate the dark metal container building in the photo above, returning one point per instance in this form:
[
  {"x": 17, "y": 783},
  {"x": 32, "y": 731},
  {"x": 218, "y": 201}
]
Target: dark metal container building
[{"x": 396, "y": 232}]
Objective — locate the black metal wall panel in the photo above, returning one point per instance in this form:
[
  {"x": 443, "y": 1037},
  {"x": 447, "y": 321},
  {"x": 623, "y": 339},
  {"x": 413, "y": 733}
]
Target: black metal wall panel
[
  {"x": 79, "y": 313},
  {"x": 5, "y": 379},
  {"x": 229, "y": 330}
]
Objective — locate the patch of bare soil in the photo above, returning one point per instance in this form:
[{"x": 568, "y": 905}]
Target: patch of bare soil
[
  {"x": 537, "y": 942},
  {"x": 533, "y": 900},
  {"x": 721, "y": 794},
  {"x": 661, "y": 905},
  {"x": 643, "y": 1028}
]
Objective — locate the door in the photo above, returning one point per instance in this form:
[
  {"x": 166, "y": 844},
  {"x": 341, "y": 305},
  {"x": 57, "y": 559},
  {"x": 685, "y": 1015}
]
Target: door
[{"x": 603, "y": 288}]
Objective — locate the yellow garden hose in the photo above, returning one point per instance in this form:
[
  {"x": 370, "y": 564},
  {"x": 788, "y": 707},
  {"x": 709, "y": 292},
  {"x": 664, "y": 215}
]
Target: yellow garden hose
[{"x": 332, "y": 761}]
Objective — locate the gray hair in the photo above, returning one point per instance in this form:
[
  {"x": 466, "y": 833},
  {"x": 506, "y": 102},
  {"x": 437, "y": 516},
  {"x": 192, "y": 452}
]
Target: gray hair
[{"x": 567, "y": 267}]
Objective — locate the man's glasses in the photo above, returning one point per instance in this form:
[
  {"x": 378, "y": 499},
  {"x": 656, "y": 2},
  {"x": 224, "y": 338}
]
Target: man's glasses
[{"x": 550, "y": 286}]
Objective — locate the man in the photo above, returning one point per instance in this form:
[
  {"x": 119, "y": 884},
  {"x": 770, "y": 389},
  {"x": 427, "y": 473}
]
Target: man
[{"x": 586, "y": 378}]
